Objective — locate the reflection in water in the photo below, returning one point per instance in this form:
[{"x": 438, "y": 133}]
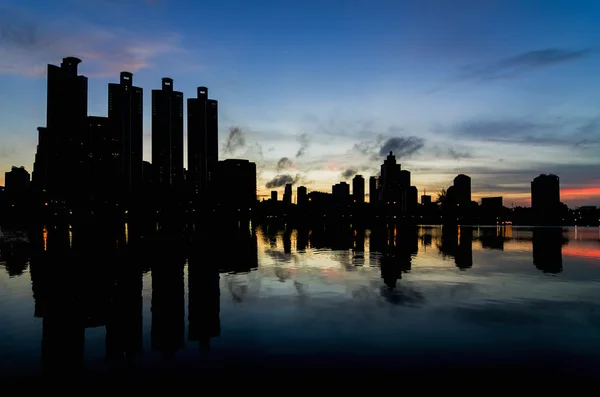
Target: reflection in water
[
  {"x": 547, "y": 249},
  {"x": 85, "y": 277}
]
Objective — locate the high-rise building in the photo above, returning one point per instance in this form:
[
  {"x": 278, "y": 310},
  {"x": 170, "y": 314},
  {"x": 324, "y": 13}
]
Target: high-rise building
[
  {"x": 389, "y": 182},
  {"x": 462, "y": 190},
  {"x": 203, "y": 150},
  {"x": 425, "y": 199},
  {"x": 273, "y": 195},
  {"x": 39, "y": 176},
  {"x": 341, "y": 193},
  {"x": 404, "y": 179},
  {"x": 104, "y": 157},
  {"x": 125, "y": 115},
  {"x": 358, "y": 189},
  {"x": 287, "y": 194},
  {"x": 167, "y": 136},
  {"x": 301, "y": 196},
  {"x": 545, "y": 193},
  {"x": 373, "y": 190},
  {"x": 63, "y": 167}
]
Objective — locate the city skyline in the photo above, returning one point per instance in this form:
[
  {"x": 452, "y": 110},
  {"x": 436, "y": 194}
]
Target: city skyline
[{"x": 519, "y": 105}]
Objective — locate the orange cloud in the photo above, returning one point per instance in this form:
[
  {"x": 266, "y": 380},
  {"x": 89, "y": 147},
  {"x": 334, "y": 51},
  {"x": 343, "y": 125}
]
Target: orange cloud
[{"x": 578, "y": 193}]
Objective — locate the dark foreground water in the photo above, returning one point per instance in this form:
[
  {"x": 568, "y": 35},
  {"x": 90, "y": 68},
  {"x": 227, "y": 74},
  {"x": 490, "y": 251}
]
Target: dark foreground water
[{"x": 265, "y": 304}]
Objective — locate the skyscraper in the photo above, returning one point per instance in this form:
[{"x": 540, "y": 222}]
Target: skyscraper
[
  {"x": 167, "y": 136},
  {"x": 64, "y": 165},
  {"x": 358, "y": 189},
  {"x": 125, "y": 115},
  {"x": 287, "y": 194},
  {"x": 235, "y": 183},
  {"x": 203, "y": 151},
  {"x": 373, "y": 190},
  {"x": 301, "y": 196}
]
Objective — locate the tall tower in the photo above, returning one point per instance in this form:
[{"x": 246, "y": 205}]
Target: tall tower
[
  {"x": 125, "y": 115},
  {"x": 66, "y": 138},
  {"x": 167, "y": 136},
  {"x": 358, "y": 189},
  {"x": 202, "y": 141}
]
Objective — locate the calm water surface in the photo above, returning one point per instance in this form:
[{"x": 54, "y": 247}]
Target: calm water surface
[{"x": 254, "y": 298}]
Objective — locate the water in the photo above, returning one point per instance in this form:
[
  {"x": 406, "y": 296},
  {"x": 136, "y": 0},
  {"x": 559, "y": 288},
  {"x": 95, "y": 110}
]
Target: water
[{"x": 335, "y": 300}]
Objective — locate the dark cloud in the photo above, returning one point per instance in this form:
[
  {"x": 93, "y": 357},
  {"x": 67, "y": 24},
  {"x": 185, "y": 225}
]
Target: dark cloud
[
  {"x": 457, "y": 155},
  {"x": 282, "y": 180},
  {"x": 556, "y": 133},
  {"x": 304, "y": 141},
  {"x": 516, "y": 65},
  {"x": 349, "y": 173},
  {"x": 235, "y": 140},
  {"x": 402, "y": 147},
  {"x": 283, "y": 163}
]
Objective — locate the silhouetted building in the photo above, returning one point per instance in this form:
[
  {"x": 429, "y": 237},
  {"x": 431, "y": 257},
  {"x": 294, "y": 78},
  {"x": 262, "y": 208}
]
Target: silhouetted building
[
  {"x": 104, "y": 158},
  {"x": 125, "y": 115},
  {"x": 203, "y": 151},
  {"x": 404, "y": 176},
  {"x": 545, "y": 193},
  {"x": 16, "y": 180},
  {"x": 64, "y": 143},
  {"x": 491, "y": 203},
  {"x": 341, "y": 193},
  {"x": 287, "y": 194},
  {"x": 462, "y": 190},
  {"x": 425, "y": 199},
  {"x": 273, "y": 195},
  {"x": 389, "y": 182},
  {"x": 147, "y": 173},
  {"x": 301, "y": 196},
  {"x": 358, "y": 189},
  {"x": 235, "y": 185},
  {"x": 167, "y": 136},
  {"x": 373, "y": 190}
]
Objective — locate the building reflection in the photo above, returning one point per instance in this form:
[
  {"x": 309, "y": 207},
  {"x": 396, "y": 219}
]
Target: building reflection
[
  {"x": 457, "y": 242},
  {"x": 547, "y": 249},
  {"x": 203, "y": 294},
  {"x": 397, "y": 246},
  {"x": 168, "y": 296},
  {"x": 15, "y": 254},
  {"x": 492, "y": 238}
]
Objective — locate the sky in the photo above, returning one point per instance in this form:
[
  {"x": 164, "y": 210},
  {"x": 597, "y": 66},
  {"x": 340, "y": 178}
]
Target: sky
[{"x": 317, "y": 91}]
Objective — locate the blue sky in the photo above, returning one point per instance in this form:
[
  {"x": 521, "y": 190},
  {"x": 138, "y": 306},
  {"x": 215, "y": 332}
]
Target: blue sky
[{"x": 317, "y": 91}]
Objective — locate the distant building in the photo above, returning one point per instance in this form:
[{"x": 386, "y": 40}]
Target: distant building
[
  {"x": 491, "y": 203},
  {"x": 105, "y": 157},
  {"x": 235, "y": 185},
  {"x": 545, "y": 193},
  {"x": 301, "y": 196},
  {"x": 273, "y": 195},
  {"x": 358, "y": 189},
  {"x": 125, "y": 115},
  {"x": 203, "y": 137},
  {"x": 404, "y": 179},
  {"x": 16, "y": 180},
  {"x": 462, "y": 190},
  {"x": 287, "y": 194},
  {"x": 373, "y": 190},
  {"x": 167, "y": 136},
  {"x": 147, "y": 173},
  {"x": 425, "y": 199}
]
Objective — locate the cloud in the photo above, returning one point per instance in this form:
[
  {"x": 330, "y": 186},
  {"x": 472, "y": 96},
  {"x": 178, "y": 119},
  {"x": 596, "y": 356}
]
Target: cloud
[
  {"x": 555, "y": 133},
  {"x": 28, "y": 44},
  {"x": 518, "y": 64},
  {"x": 402, "y": 147},
  {"x": 457, "y": 155},
  {"x": 349, "y": 173},
  {"x": 282, "y": 180},
  {"x": 304, "y": 143},
  {"x": 283, "y": 163},
  {"x": 235, "y": 140}
]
